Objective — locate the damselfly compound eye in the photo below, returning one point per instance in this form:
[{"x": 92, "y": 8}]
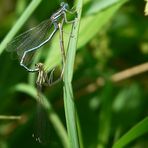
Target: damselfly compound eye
[{"x": 64, "y": 5}]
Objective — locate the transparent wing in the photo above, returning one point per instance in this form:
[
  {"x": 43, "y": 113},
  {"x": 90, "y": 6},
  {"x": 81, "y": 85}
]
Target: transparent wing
[
  {"x": 42, "y": 130},
  {"x": 30, "y": 39}
]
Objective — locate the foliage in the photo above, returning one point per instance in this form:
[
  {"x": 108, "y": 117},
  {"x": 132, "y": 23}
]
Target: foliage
[{"x": 110, "y": 104}]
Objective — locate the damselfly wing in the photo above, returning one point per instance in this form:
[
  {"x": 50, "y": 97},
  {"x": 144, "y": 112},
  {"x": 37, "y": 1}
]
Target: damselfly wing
[{"x": 30, "y": 39}]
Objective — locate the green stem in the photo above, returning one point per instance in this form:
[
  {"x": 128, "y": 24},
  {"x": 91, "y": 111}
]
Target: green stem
[{"x": 70, "y": 112}]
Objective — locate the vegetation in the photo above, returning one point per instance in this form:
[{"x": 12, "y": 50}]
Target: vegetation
[{"x": 102, "y": 100}]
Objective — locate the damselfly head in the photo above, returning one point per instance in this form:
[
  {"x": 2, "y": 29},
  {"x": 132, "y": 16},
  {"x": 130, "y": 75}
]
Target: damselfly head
[
  {"x": 39, "y": 66},
  {"x": 64, "y": 5}
]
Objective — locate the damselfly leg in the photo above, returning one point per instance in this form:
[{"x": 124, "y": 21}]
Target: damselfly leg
[{"x": 43, "y": 79}]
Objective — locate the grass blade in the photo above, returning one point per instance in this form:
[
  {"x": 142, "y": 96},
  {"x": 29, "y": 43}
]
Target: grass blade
[
  {"x": 71, "y": 116},
  {"x": 137, "y": 131}
]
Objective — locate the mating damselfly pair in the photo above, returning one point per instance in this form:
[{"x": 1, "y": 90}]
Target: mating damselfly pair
[{"x": 27, "y": 43}]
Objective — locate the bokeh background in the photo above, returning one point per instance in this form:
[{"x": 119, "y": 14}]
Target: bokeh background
[{"x": 110, "y": 80}]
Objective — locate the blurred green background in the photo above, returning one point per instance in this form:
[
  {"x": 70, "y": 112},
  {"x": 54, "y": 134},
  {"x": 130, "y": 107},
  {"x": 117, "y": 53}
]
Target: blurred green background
[{"x": 113, "y": 38}]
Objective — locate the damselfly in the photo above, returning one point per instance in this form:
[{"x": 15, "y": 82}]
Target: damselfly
[
  {"x": 42, "y": 134},
  {"x": 28, "y": 42}
]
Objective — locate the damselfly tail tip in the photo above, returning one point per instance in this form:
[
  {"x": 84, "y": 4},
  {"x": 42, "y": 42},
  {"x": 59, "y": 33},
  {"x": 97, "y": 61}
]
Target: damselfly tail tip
[{"x": 37, "y": 139}]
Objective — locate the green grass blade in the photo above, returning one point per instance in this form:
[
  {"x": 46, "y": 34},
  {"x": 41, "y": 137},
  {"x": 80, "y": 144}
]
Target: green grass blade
[
  {"x": 137, "y": 131},
  {"x": 99, "y": 5},
  {"x": 71, "y": 116},
  {"x": 24, "y": 17},
  {"x": 99, "y": 19}
]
